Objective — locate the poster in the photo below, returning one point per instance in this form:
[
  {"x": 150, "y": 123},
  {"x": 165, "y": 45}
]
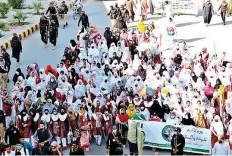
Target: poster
[{"x": 159, "y": 135}]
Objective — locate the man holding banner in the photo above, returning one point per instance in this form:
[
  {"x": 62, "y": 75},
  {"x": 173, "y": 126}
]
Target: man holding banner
[{"x": 177, "y": 143}]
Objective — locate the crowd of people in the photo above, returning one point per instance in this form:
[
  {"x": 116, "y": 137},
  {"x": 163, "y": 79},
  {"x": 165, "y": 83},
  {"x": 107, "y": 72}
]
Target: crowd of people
[{"x": 105, "y": 80}]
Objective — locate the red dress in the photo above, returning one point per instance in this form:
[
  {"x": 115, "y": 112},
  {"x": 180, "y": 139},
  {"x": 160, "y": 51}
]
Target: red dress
[
  {"x": 54, "y": 124},
  {"x": 63, "y": 123},
  {"x": 107, "y": 122},
  {"x": 97, "y": 127},
  {"x": 73, "y": 119},
  {"x": 21, "y": 121}
]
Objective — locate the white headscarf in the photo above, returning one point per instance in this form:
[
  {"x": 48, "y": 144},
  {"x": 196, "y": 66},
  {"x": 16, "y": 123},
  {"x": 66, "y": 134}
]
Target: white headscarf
[
  {"x": 218, "y": 126},
  {"x": 136, "y": 62}
]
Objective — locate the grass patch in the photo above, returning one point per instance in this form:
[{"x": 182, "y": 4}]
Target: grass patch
[{"x": 18, "y": 24}]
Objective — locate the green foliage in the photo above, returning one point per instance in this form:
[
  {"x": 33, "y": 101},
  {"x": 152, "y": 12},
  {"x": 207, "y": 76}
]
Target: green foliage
[
  {"x": 37, "y": 7},
  {"x": 20, "y": 16},
  {"x": 4, "y": 8},
  {"x": 16, "y": 4},
  {"x": 2, "y": 27}
]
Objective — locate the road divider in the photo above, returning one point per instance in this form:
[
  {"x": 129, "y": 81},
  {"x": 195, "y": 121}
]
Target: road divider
[{"x": 23, "y": 35}]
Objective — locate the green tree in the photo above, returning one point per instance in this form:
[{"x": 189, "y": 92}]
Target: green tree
[
  {"x": 37, "y": 7},
  {"x": 16, "y": 4},
  {"x": 20, "y": 16},
  {"x": 2, "y": 27},
  {"x": 4, "y": 8}
]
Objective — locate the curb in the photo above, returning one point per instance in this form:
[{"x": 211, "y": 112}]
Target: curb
[
  {"x": 26, "y": 33},
  {"x": 22, "y": 35}
]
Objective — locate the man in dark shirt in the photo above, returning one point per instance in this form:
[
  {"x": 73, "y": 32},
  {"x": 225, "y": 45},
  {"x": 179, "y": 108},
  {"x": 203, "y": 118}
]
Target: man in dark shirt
[
  {"x": 75, "y": 149},
  {"x": 114, "y": 142},
  {"x": 13, "y": 134},
  {"x": 43, "y": 135},
  {"x": 112, "y": 14},
  {"x": 64, "y": 9},
  {"x": 177, "y": 143},
  {"x": 41, "y": 150},
  {"x": 84, "y": 20},
  {"x": 51, "y": 10}
]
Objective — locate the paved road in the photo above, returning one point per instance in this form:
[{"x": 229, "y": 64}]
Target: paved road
[{"x": 190, "y": 29}]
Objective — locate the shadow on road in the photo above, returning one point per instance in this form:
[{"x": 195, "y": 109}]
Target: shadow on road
[
  {"x": 227, "y": 23},
  {"x": 189, "y": 40},
  {"x": 187, "y": 24}
]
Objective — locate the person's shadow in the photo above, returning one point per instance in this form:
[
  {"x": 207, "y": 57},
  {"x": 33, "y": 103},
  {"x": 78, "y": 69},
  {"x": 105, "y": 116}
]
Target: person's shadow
[{"x": 227, "y": 23}]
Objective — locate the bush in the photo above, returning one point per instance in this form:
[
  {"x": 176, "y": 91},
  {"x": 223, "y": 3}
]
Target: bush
[
  {"x": 2, "y": 28},
  {"x": 37, "y": 7},
  {"x": 16, "y": 4},
  {"x": 20, "y": 16},
  {"x": 4, "y": 8}
]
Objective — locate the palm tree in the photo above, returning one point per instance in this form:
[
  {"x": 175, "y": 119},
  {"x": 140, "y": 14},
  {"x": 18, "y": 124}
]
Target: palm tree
[
  {"x": 20, "y": 16},
  {"x": 2, "y": 28},
  {"x": 37, "y": 7}
]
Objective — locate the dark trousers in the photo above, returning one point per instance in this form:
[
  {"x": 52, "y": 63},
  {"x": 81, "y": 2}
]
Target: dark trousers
[
  {"x": 16, "y": 55},
  {"x": 43, "y": 34},
  {"x": 207, "y": 18},
  {"x": 53, "y": 37},
  {"x": 223, "y": 16},
  {"x": 85, "y": 26}
]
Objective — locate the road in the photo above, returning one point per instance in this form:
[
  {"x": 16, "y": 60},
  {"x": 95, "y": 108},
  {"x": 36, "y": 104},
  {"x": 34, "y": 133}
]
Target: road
[{"x": 190, "y": 29}]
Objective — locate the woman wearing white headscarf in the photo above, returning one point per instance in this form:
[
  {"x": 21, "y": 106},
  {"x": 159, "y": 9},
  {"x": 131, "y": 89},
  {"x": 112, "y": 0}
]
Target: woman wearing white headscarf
[
  {"x": 112, "y": 49},
  {"x": 99, "y": 98},
  {"x": 136, "y": 62},
  {"x": 217, "y": 129},
  {"x": 80, "y": 89},
  {"x": 114, "y": 79},
  {"x": 130, "y": 71},
  {"x": 126, "y": 55},
  {"x": 31, "y": 81}
]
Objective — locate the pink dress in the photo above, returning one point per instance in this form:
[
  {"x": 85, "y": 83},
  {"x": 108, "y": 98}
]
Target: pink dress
[{"x": 85, "y": 136}]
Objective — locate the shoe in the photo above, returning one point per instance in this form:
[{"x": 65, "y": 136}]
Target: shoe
[
  {"x": 45, "y": 45},
  {"x": 54, "y": 47},
  {"x": 8, "y": 80},
  {"x": 87, "y": 149},
  {"x": 18, "y": 64},
  {"x": 63, "y": 28},
  {"x": 66, "y": 24}
]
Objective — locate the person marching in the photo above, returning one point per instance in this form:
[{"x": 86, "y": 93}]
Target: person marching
[
  {"x": 125, "y": 14},
  {"x": 177, "y": 143},
  {"x": 223, "y": 7},
  {"x": 16, "y": 48},
  {"x": 64, "y": 9},
  {"x": 44, "y": 23},
  {"x": 53, "y": 30},
  {"x": 84, "y": 20},
  {"x": 208, "y": 12},
  {"x": 51, "y": 9},
  {"x": 112, "y": 15}
]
